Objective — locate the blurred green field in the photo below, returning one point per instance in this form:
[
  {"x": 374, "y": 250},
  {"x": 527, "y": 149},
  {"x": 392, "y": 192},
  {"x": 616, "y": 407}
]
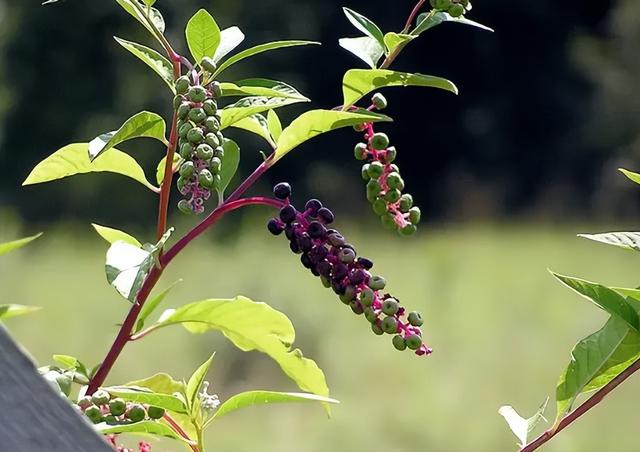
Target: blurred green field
[{"x": 501, "y": 326}]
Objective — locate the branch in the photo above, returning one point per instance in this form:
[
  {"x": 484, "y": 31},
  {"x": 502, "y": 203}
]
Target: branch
[{"x": 180, "y": 431}]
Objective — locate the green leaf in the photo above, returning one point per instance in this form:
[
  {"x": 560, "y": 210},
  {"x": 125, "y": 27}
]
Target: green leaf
[
  {"x": 607, "y": 299},
  {"x": 274, "y": 125},
  {"x": 196, "y": 380},
  {"x": 163, "y": 163},
  {"x": 146, "y": 427},
  {"x": 596, "y": 360},
  {"x": 252, "y": 398},
  {"x": 17, "y": 244},
  {"x": 154, "y": 15},
  {"x": 249, "y": 106},
  {"x": 365, "y": 25},
  {"x": 367, "y": 49},
  {"x": 230, "y": 163},
  {"x": 113, "y": 235},
  {"x": 203, "y": 35},
  {"x": 66, "y": 361},
  {"x": 520, "y": 426},
  {"x": 261, "y": 87},
  {"x": 8, "y": 311},
  {"x": 627, "y": 240},
  {"x": 316, "y": 122},
  {"x": 357, "y": 83},
  {"x": 151, "y": 305},
  {"x": 160, "y": 383},
  {"x": 635, "y": 177},
  {"x": 149, "y": 2},
  {"x": 73, "y": 159},
  {"x": 256, "y": 124},
  {"x": 230, "y": 38},
  {"x": 260, "y": 49},
  {"x": 127, "y": 267},
  {"x": 395, "y": 40},
  {"x": 252, "y": 326},
  {"x": 147, "y": 396},
  {"x": 429, "y": 20},
  {"x": 151, "y": 58},
  {"x": 141, "y": 125}
]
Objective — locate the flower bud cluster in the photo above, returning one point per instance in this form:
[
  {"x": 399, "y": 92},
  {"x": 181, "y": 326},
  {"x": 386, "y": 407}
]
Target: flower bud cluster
[
  {"x": 328, "y": 255},
  {"x": 455, "y": 8},
  {"x": 385, "y": 185},
  {"x": 199, "y": 142},
  {"x": 208, "y": 402},
  {"x": 101, "y": 407}
]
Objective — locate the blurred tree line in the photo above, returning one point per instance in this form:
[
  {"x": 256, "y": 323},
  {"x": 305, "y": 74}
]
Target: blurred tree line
[{"x": 547, "y": 111}]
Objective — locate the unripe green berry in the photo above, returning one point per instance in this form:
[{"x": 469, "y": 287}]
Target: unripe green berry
[
  {"x": 392, "y": 196},
  {"x": 186, "y": 149},
  {"x": 219, "y": 152},
  {"x": 390, "y": 325},
  {"x": 390, "y": 306},
  {"x": 183, "y": 110},
  {"x": 185, "y": 207},
  {"x": 195, "y": 135},
  {"x": 442, "y": 4},
  {"x": 177, "y": 101},
  {"x": 184, "y": 129},
  {"x": 326, "y": 282},
  {"x": 376, "y": 329},
  {"x": 456, "y": 10},
  {"x": 408, "y": 230},
  {"x": 205, "y": 178},
  {"x": 390, "y": 154},
  {"x": 210, "y": 107},
  {"x": 215, "y": 165},
  {"x": 365, "y": 172},
  {"x": 197, "y": 93},
  {"x": 208, "y": 65},
  {"x": 111, "y": 420},
  {"x": 356, "y": 307},
  {"x": 394, "y": 181},
  {"x": 360, "y": 127},
  {"x": 197, "y": 115},
  {"x": 360, "y": 151},
  {"x": 216, "y": 89},
  {"x": 187, "y": 169},
  {"x": 85, "y": 402},
  {"x": 182, "y": 85},
  {"x": 414, "y": 342},
  {"x": 380, "y": 206},
  {"x": 181, "y": 183},
  {"x": 155, "y": 412},
  {"x": 415, "y": 319},
  {"x": 373, "y": 190},
  {"x": 414, "y": 215},
  {"x": 370, "y": 315},
  {"x": 366, "y": 297},
  {"x": 406, "y": 202},
  {"x": 117, "y": 407},
  {"x": 212, "y": 140},
  {"x": 375, "y": 170},
  {"x": 388, "y": 221},
  {"x": 204, "y": 152},
  {"x": 377, "y": 283},
  {"x": 136, "y": 413},
  {"x": 100, "y": 397},
  {"x": 94, "y": 414},
  {"x": 399, "y": 343},
  {"x": 379, "y": 141},
  {"x": 379, "y": 101},
  {"x": 212, "y": 124}
]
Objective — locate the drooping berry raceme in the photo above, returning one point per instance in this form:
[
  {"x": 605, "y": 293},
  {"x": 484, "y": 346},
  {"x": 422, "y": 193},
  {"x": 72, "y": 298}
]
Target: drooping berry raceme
[
  {"x": 455, "y": 8},
  {"x": 328, "y": 255},
  {"x": 200, "y": 142},
  {"x": 101, "y": 407},
  {"x": 384, "y": 183}
]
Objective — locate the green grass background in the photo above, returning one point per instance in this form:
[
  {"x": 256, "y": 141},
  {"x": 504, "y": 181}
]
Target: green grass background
[{"x": 501, "y": 326}]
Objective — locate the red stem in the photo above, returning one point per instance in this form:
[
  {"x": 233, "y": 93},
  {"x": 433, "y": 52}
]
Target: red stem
[
  {"x": 413, "y": 15},
  {"x": 180, "y": 431},
  {"x": 582, "y": 409}
]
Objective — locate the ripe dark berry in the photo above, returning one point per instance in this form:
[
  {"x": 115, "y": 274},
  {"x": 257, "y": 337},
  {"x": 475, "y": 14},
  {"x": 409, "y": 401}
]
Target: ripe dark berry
[
  {"x": 312, "y": 206},
  {"x": 275, "y": 227},
  {"x": 316, "y": 230},
  {"x": 288, "y": 214},
  {"x": 117, "y": 407},
  {"x": 415, "y": 319},
  {"x": 390, "y": 306},
  {"x": 365, "y": 263},
  {"x": 379, "y": 141},
  {"x": 155, "y": 412},
  {"x": 414, "y": 342},
  {"x": 399, "y": 343},
  {"x": 326, "y": 215},
  {"x": 282, "y": 190},
  {"x": 136, "y": 413}
]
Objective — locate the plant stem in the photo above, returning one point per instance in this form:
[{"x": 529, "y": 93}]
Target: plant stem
[
  {"x": 412, "y": 16},
  {"x": 582, "y": 409},
  {"x": 165, "y": 189},
  {"x": 180, "y": 431}
]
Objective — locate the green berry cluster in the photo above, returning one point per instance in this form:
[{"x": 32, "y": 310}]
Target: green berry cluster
[
  {"x": 101, "y": 407},
  {"x": 200, "y": 142},
  {"x": 385, "y": 185},
  {"x": 455, "y": 8}
]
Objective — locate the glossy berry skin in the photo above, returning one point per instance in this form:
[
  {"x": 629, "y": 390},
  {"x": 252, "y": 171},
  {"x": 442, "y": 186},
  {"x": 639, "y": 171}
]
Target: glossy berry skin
[
  {"x": 136, "y": 413},
  {"x": 117, "y": 407},
  {"x": 390, "y": 306},
  {"x": 197, "y": 94},
  {"x": 94, "y": 414},
  {"x": 399, "y": 343},
  {"x": 379, "y": 141},
  {"x": 414, "y": 342},
  {"x": 389, "y": 325},
  {"x": 155, "y": 412},
  {"x": 379, "y": 101},
  {"x": 282, "y": 190},
  {"x": 182, "y": 85},
  {"x": 415, "y": 319},
  {"x": 100, "y": 397}
]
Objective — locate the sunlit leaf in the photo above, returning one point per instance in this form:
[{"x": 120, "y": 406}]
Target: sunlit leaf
[
  {"x": 203, "y": 35},
  {"x": 8, "y": 311},
  {"x": 395, "y": 40},
  {"x": 161, "y": 383},
  {"x": 261, "y": 87},
  {"x": 151, "y": 58},
  {"x": 367, "y": 49},
  {"x": 256, "y": 124},
  {"x": 145, "y": 427},
  {"x": 230, "y": 163},
  {"x": 249, "y": 106},
  {"x": 365, "y": 25},
  {"x": 634, "y": 177},
  {"x": 17, "y": 244},
  {"x": 230, "y": 38},
  {"x": 162, "y": 166},
  {"x": 113, "y": 235},
  {"x": 627, "y": 240},
  {"x": 151, "y": 305},
  {"x": 148, "y": 397},
  {"x": 139, "y": 14},
  {"x": 195, "y": 381},
  {"x": 429, "y": 20},
  {"x": 520, "y": 426},
  {"x": 274, "y": 125}
]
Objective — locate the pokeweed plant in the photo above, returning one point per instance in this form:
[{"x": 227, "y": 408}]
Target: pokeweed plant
[
  {"x": 601, "y": 361},
  {"x": 203, "y": 161}
]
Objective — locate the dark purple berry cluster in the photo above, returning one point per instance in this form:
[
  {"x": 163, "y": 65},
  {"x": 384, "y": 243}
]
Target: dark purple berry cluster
[
  {"x": 328, "y": 255},
  {"x": 199, "y": 142},
  {"x": 384, "y": 183},
  {"x": 455, "y": 8},
  {"x": 101, "y": 407}
]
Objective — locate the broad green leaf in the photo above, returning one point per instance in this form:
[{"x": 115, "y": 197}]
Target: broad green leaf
[
  {"x": 230, "y": 38},
  {"x": 274, "y": 124},
  {"x": 258, "y": 125},
  {"x": 160, "y": 383},
  {"x": 520, "y": 426},
  {"x": 357, "y": 83},
  {"x": 147, "y": 396},
  {"x": 73, "y": 159},
  {"x": 142, "y": 125},
  {"x": 66, "y": 361},
  {"x": 252, "y": 326},
  {"x": 177, "y": 161},
  {"x": 113, "y": 235},
  {"x": 8, "y": 311},
  {"x": 230, "y": 163},
  {"x": 365, "y": 25},
  {"x": 17, "y": 244},
  {"x": 395, "y": 40},
  {"x": 628, "y": 240},
  {"x": 260, "y": 49},
  {"x": 316, "y": 122},
  {"x": 249, "y": 106},
  {"x": 635, "y": 177},
  {"x": 595, "y": 359},
  {"x": 429, "y": 20},
  {"x": 261, "y": 87},
  {"x": 149, "y": 2},
  {"x": 151, "y": 305},
  {"x": 252, "y": 398},
  {"x": 367, "y": 49},
  {"x": 139, "y": 11},
  {"x": 196, "y": 380},
  {"x": 607, "y": 299},
  {"x": 155, "y": 428},
  {"x": 203, "y": 35},
  {"x": 151, "y": 58}
]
